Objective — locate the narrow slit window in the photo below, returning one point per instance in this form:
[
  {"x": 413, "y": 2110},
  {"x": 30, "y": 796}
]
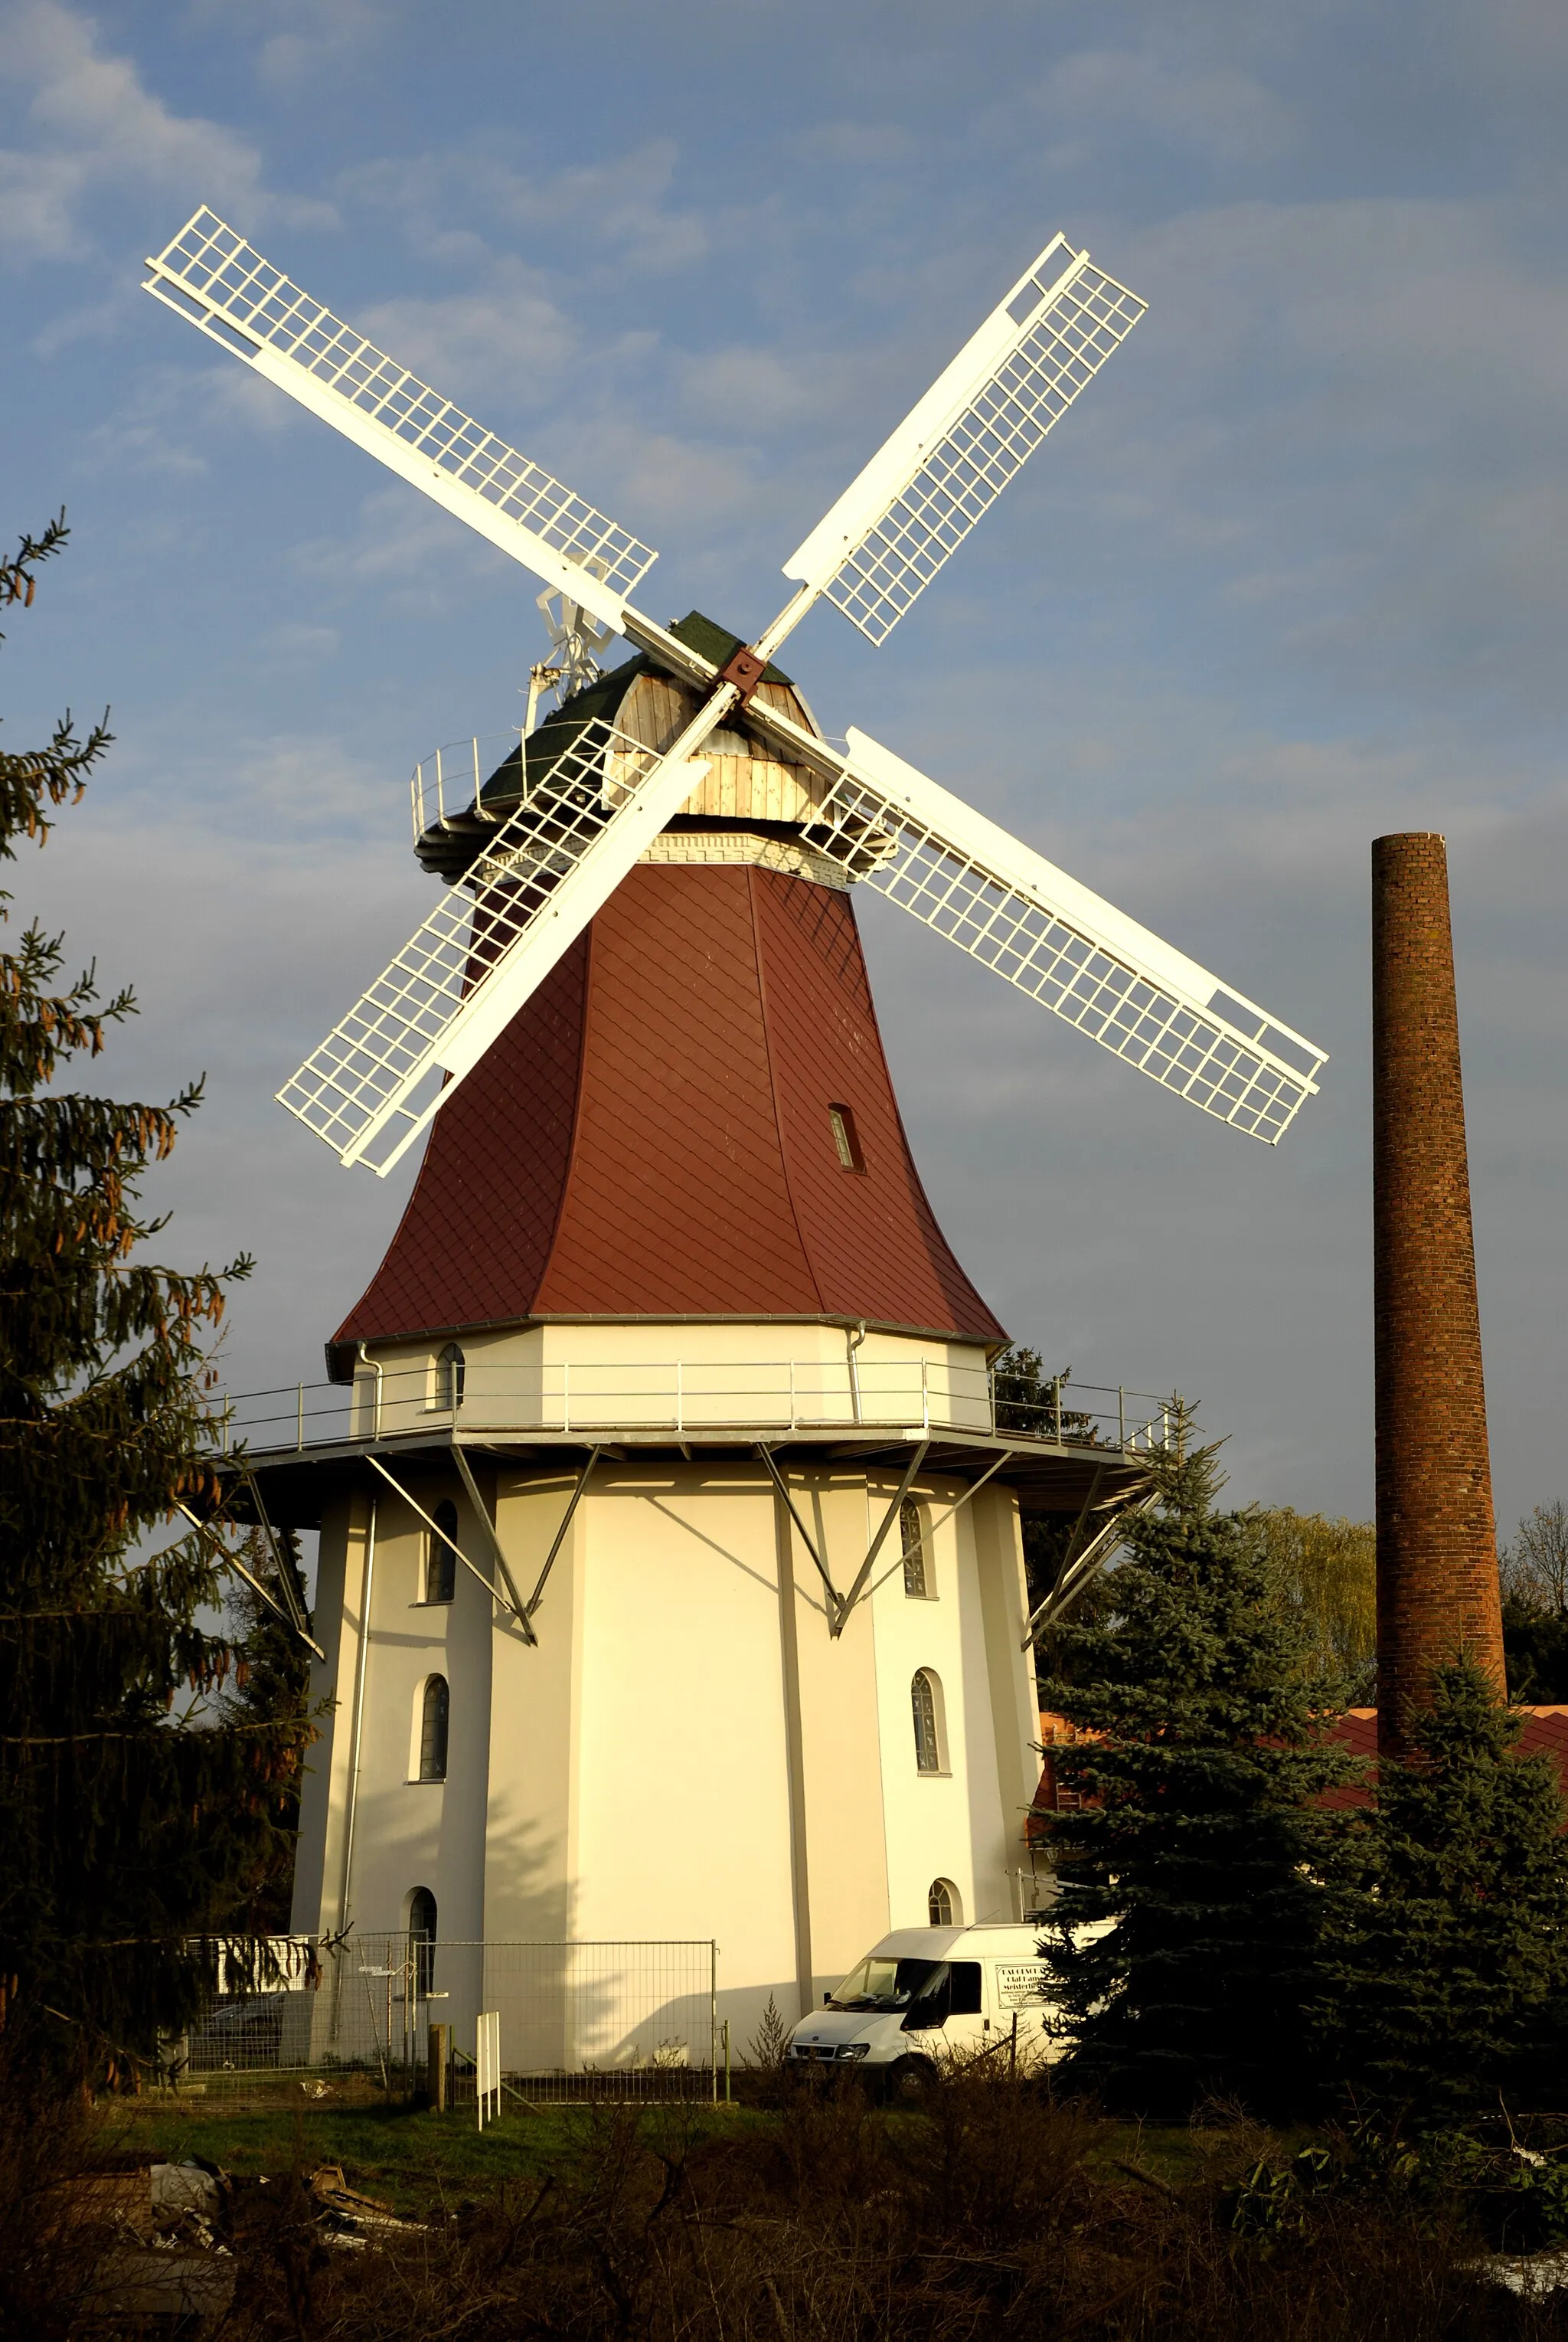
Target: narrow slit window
[
  {"x": 441, "y": 1553},
  {"x": 432, "y": 1730},
  {"x": 845, "y": 1138},
  {"x": 911, "y": 1538},
  {"x": 451, "y": 1372},
  {"x": 923, "y": 1701},
  {"x": 421, "y": 1940}
]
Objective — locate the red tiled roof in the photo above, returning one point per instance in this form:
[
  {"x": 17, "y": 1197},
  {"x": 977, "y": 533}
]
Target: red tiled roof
[
  {"x": 650, "y": 1135},
  {"x": 1545, "y": 1733}
]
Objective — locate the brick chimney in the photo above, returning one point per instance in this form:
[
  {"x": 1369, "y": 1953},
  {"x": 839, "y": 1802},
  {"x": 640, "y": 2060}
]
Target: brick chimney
[{"x": 1437, "y": 1590}]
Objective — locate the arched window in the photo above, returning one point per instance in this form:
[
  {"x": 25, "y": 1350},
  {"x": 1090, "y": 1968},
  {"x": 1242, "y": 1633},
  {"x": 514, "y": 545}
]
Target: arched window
[
  {"x": 924, "y": 1697},
  {"x": 450, "y": 1370},
  {"x": 441, "y": 1553},
  {"x": 422, "y": 1939},
  {"x": 944, "y": 1904},
  {"x": 433, "y": 1723},
  {"x": 910, "y": 1538}
]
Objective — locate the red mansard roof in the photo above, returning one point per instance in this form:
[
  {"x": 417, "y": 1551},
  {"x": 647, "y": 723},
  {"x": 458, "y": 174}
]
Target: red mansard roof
[{"x": 650, "y": 1137}]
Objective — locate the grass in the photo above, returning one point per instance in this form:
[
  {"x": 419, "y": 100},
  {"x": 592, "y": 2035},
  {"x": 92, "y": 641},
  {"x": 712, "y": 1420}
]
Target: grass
[
  {"x": 990, "y": 2212},
  {"x": 404, "y": 2154}
]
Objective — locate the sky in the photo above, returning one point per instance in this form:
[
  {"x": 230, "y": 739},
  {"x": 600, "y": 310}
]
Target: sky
[{"x": 1291, "y": 576}]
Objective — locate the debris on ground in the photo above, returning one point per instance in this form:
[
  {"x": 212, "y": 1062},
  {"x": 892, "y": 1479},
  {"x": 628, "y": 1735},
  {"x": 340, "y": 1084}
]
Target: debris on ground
[
  {"x": 160, "y": 2233},
  {"x": 347, "y": 2219},
  {"x": 1535, "y": 2276}
]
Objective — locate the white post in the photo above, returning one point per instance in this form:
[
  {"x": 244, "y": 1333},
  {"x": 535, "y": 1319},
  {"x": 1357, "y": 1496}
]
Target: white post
[{"x": 488, "y": 2064}]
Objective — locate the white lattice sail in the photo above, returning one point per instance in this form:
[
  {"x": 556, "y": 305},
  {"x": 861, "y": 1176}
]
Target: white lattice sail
[
  {"x": 214, "y": 279},
  {"x": 430, "y": 1015},
  {"x": 922, "y": 492},
  {"x": 1066, "y": 946}
]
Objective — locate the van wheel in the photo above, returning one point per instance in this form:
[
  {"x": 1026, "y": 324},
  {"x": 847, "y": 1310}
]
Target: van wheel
[{"x": 910, "y": 2082}]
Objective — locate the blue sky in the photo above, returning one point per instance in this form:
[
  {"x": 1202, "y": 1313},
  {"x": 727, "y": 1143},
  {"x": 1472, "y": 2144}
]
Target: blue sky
[{"x": 1293, "y": 574}]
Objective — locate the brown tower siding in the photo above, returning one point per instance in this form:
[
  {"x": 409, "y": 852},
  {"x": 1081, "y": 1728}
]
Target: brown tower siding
[{"x": 1437, "y": 1590}]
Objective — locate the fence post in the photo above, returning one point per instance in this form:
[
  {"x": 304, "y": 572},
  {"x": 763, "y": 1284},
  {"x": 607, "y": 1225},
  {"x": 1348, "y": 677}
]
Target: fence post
[
  {"x": 714, "y": 2018},
  {"x": 300, "y": 1440},
  {"x": 1056, "y": 1388},
  {"x": 436, "y": 2066},
  {"x": 487, "y": 2064},
  {"x": 1121, "y": 1417},
  {"x": 726, "y": 2061}
]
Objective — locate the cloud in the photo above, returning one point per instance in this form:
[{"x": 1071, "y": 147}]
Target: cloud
[
  {"x": 863, "y": 145},
  {"x": 509, "y": 336},
  {"x": 409, "y": 549},
  {"x": 161, "y": 423},
  {"x": 580, "y": 215},
  {"x": 97, "y": 127},
  {"x": 1218, "y": 113}
]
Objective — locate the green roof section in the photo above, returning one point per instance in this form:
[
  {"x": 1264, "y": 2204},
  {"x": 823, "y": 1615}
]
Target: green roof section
[{"x": 711, "y": 642}]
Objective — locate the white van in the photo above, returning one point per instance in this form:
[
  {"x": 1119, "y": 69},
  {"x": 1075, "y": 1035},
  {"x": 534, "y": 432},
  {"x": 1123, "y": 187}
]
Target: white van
[{"x": 925, "y": 1991}]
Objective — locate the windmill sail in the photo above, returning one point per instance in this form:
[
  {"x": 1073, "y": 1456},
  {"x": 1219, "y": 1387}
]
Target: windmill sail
[
  {"x": 379, "y": 1075},
  {"x": 214, "y": 279},
  {"x": 922, "y": 492},
  {"x": 1028, "y": 921}
]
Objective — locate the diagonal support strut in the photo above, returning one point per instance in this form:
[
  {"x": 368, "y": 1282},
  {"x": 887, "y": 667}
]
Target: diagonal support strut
[
  {"x": 495, "y": 1591},
  {"x": 836, "y": 1606},
  {"x": 888, "y": 1518},
  {"x": 572, "y": 1502},
  {"x": 481, "y": 1514}
]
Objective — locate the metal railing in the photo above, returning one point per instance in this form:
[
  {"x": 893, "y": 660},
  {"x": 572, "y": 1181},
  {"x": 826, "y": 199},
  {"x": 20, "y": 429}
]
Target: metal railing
[
  {"x": 337, "y": 2023},
  {"x": 448, "y": 781},
  {"x": 690, "y": 1398}
]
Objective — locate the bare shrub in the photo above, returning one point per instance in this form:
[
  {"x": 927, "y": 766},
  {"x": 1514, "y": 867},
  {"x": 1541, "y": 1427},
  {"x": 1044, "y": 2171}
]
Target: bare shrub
[{"x": 993, "y": 2213}]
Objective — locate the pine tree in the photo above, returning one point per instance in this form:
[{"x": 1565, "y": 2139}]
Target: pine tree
[
  {"x": 125, "y": 1828},
  {"x": 1192, "y": 1894},
  {"x": 271, "y": 1683},
  {"x": 1446, "y": 1966}
]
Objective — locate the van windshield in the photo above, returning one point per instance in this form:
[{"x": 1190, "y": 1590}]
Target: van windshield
[{"x": 882, "y": 1983}]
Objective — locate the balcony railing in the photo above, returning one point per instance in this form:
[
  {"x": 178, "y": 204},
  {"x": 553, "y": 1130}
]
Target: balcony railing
[{"x": 690, "y": 1398}]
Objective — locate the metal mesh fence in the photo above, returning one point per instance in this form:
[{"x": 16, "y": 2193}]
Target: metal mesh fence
[{"x": 332, "y": 2024}]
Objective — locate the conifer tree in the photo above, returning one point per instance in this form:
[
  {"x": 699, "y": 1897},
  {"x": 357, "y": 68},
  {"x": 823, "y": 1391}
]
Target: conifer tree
[
  {"x": 271, "y": 1683},
  {"x": 1183, "y": 1938},
  {"x": 124, "y": 1827},
  {"x": 1445, "y": 1969}
]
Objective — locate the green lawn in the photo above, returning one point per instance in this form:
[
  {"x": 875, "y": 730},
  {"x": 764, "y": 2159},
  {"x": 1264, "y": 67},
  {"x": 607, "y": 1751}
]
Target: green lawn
[{"x": 403, "y": 2154}]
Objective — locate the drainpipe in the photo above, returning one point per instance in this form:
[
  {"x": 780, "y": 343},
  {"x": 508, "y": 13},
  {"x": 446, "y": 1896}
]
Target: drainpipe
[
  {"x": 358, "y": 1714},
  {"x": 375, "y": 1368},
  {"x": 852, "y": 1343}
]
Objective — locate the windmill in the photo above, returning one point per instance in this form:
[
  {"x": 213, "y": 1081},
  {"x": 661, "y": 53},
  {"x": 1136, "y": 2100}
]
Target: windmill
[
  {"x": 668, "y": 1379},
  {"x": 429, "y": 1018}
]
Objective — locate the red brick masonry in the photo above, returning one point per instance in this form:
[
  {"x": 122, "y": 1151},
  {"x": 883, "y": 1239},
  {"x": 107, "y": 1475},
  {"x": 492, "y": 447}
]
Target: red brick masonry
[{"x": 1437, "y": 1588}]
